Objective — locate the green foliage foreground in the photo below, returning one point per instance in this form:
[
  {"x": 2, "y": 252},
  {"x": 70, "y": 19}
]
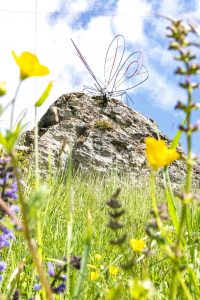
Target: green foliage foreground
[
  {"x": 85, "y": 237},
  {"x": 64, "y": 208}
]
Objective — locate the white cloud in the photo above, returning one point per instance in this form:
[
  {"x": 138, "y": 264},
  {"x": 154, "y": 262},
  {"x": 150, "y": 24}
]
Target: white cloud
[
  {"x": 20, "y": 5},
  {"x": 163, "y": 92},
  {"x": 54, "y": 48},
  {"x": 130, "y": 19},
  {"x": 171, "y": 8}
]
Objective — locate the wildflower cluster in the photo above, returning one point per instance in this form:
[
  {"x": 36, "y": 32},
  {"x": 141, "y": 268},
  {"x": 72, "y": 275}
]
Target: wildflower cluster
[
  {"x": 100, "y": 268},
  {"x": 29, "y": 66},
  {"x": 158, "y": 156},
  {"x": 57, "y": 276},
  {"x": 8, "y": 190}
]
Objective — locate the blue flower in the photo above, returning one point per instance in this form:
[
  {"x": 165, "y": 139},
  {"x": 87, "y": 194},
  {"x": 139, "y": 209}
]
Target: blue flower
[
  {"x": 14, "y": 208},
  {"x": 37, "y": 287},
  {"x": 2, "y": 266},
  {"x": 51, "y": 269},
  {"x": 60, "y": 288},
  {"x": 8, "y": 192},
  {"x": 63, "y": 277},
  {"x": 3, "y": 241},
  {"x": 6, "y": 235}
]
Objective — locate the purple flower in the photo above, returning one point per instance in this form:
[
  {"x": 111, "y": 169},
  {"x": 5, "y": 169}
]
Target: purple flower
[
  {"x": 37, "y": 287},
  {"x": 8, "y": 192},
  {"x": 5, "y": 237},
  {"x": 14, "y": 208},
  {"x": 63, "y": 277},
  {"x": 7, "y": 232},
  {"x": 5, "y": 160},
  {"x": 3, "y": 241},
  {"x": 51, "y": 269},
  {"x": 60, "y": 288},
  {"x": 8, "y": 186},
  {"x": 2, "y": 266}
]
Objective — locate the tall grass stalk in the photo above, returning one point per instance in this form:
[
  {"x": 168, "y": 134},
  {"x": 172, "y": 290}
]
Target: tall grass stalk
[{"x": 13, "y": 104}]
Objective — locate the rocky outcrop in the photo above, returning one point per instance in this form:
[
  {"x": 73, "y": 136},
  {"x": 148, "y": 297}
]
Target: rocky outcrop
[{"x": 98, "y": 135}]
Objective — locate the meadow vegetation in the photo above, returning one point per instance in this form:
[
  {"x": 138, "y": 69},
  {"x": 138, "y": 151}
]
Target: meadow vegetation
[{"x": 85, "y": 236}]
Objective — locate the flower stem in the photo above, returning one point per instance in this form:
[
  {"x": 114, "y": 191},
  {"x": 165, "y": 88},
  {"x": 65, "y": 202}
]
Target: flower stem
[
  {"x": 13, "y": 104},
  {"x": 37, "y": 179}
]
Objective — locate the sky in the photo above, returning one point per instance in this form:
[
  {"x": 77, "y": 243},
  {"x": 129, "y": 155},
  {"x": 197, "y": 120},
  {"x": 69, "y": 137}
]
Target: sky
[{"x": 45, "y": 27}]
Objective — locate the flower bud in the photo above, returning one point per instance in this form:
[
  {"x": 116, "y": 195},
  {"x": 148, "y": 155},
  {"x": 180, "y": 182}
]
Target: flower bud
[{"x": 3, "y": 90}]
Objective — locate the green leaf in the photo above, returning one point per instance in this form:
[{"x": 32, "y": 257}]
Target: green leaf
[
  {"x": 170, "y": 200},
  {"x": 45, "y": 95},
  {"x": 177, "y": 136},
  {"x": 9, "y": 139},
  {"x": 84, "y": 260},
  {"x": 168, "y": 189},
  {"x": 82, "y": 272}
]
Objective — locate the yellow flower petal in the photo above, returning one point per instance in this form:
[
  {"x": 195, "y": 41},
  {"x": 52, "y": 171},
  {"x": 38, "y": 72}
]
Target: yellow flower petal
[
  {"x": 94, "y": 275},
  {"x": 157, "y": 153},
  {"x": 113, "y": 270},
  {"x": 137, "y": 245},
  {"x": 98, "y": 257},
  {"x": 29, "y": 65}
]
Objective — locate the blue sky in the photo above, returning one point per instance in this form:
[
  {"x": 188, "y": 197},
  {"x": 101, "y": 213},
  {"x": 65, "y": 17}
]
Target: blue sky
[{"x": 92, "y": 24}]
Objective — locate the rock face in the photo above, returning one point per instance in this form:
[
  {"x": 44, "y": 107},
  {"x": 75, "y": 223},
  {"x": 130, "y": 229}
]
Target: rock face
[{"x": 98, "y": 135}]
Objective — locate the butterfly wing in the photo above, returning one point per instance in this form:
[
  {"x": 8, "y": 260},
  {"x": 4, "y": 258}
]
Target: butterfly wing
[
  {"x": 113, "y": 59},
  {"x": 131, "y": 74},
  {"x": 98, "y": 82}
]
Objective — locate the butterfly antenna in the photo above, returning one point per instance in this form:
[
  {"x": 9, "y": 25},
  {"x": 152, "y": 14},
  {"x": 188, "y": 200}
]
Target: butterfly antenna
[{"x": 86, "y": 64}]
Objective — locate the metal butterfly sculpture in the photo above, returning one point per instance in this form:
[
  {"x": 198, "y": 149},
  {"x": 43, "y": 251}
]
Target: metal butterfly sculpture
[{"x": 119, "y": 76}]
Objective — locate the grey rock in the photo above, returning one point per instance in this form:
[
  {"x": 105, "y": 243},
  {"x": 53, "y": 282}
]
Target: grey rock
[{"x": 98, "y": 137}]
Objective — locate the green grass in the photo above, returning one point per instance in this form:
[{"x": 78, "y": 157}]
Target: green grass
[{"x": 89, "y": 193}]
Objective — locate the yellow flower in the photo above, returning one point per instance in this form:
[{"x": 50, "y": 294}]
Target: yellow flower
[
  {"x": 94, "y": 275},
  {"x": 29, "y": 65},
  {"x": 137, "y": 245},
  {"x": 157, "y": 153},
  {"x": 98, "y": 257},
  {"x": 113, "y": 270}
]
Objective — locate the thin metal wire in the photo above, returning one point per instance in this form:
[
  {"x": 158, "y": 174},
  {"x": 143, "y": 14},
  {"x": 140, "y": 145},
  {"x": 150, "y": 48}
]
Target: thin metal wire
[{"x": 116, "y": 71}]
